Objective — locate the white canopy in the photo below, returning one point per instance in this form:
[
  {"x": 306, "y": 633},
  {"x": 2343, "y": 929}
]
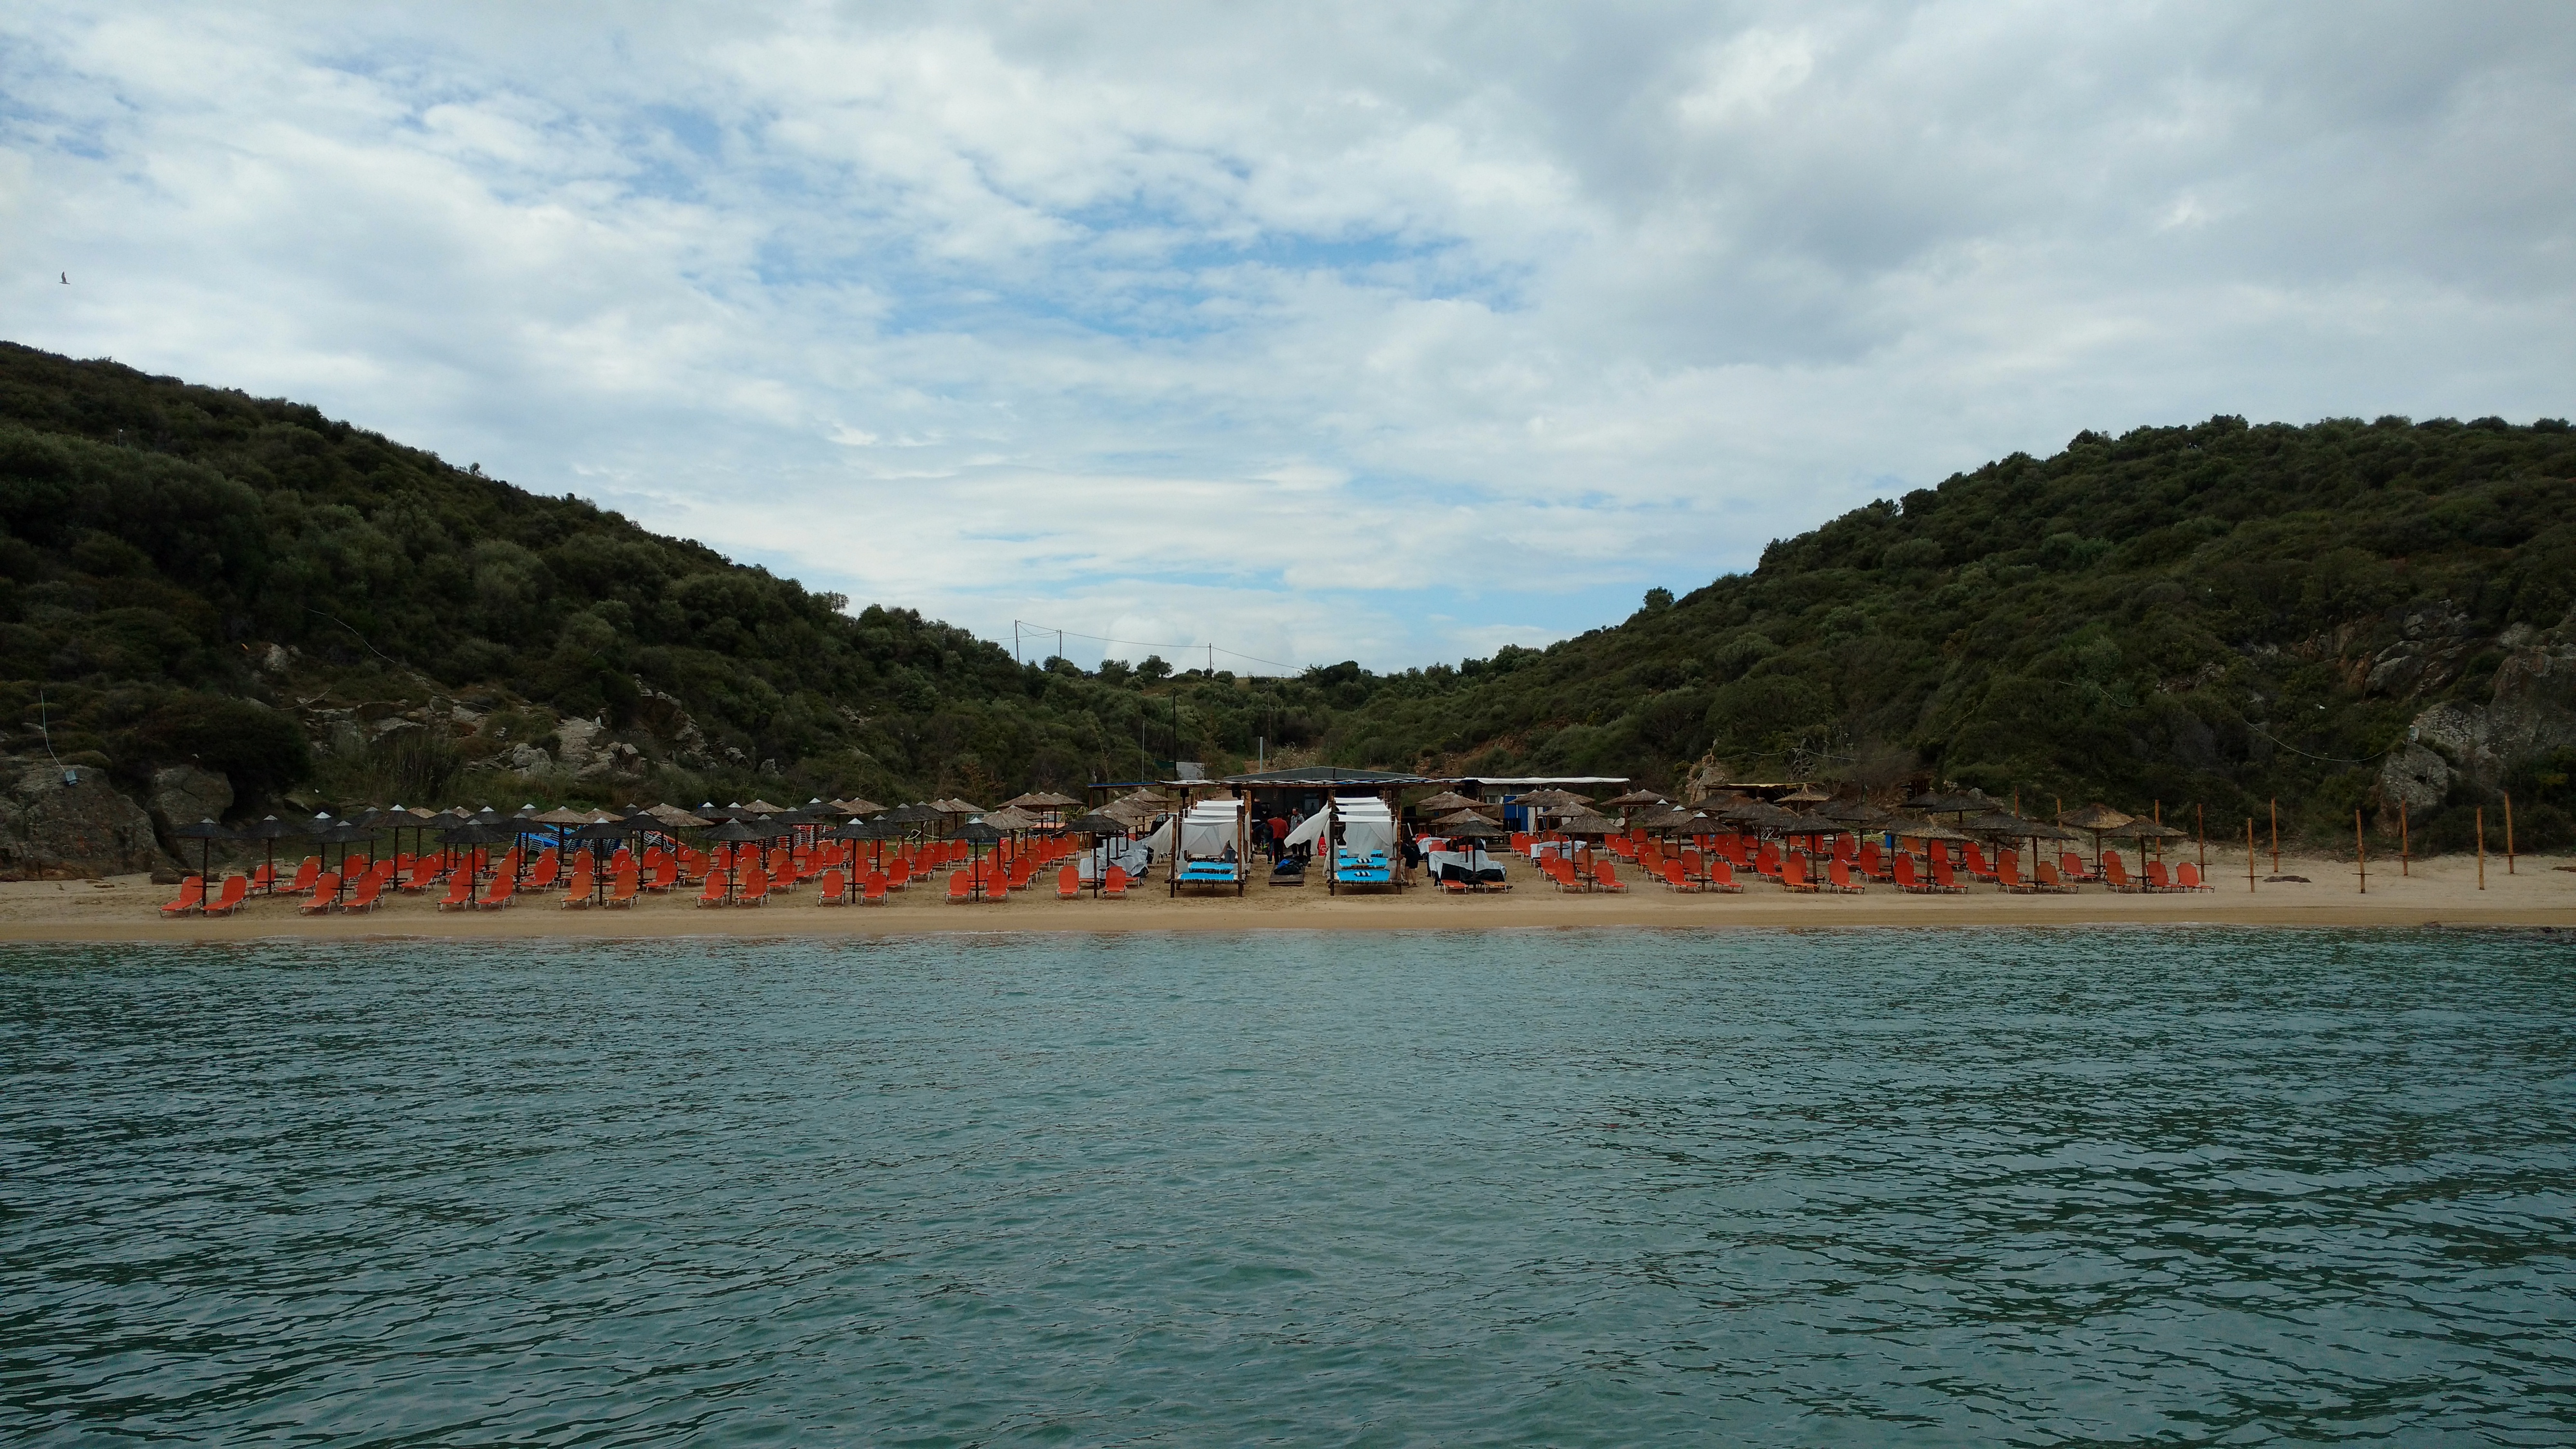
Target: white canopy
[
  {"x": 1210, "y": 827},
  {"x": 1308, "y": 833},
  {"x": 1367, "y": 825}
]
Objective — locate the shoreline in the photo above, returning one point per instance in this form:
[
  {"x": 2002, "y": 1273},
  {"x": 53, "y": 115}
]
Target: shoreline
[{"x": 2438, "y": 893}]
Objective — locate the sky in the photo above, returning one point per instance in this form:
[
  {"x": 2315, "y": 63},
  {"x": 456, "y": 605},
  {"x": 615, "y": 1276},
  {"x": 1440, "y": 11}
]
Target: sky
[{"x": 1313, "y": 332}]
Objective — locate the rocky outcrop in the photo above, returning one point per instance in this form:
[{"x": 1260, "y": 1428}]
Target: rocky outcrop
[
  {"x": 2434, "y": 642},
  {"x": 2531, "y": 711},
  {"x": 585, "y": 749},
  {"x": 665, "y": 717},
  {"x": 53, "y": 826},
  {"x": 185, "y": 794}
]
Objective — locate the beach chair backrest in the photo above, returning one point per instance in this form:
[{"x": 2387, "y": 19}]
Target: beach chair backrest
[
  {"x": 1793, "y": 868},
  {"x": 960, "y": 885},
  {"x": 2187, "y": 875},
  {"x": 1942, "y": 875},
  {"x": 1904, "y": 871},
  {"x": 2156, "y": 875},
  {"x": 876, "y": 888},
  {"x": 235, "y": 887},
  {"x": 1721, "y": 871},
  {"x": 2114, "y": 872}
]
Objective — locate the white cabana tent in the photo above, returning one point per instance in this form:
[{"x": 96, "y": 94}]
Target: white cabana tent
[
  {"x": 1215, "y": 845},
  {"x": 1366, "y": 854}
]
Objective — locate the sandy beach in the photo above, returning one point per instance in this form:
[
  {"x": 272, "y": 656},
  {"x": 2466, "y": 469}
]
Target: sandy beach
[{"x": 2541, "y": 892}]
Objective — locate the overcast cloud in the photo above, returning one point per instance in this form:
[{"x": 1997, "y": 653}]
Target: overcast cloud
[{"x": 1388, "y": 332}]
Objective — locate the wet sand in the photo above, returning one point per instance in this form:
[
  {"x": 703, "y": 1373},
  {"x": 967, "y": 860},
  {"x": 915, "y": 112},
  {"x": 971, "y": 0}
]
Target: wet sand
[{"x": 2442, "y": 891}]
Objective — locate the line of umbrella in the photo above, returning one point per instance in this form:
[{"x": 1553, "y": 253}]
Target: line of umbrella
[
  {"x": 1975, "y": 818},
  {"x": 465, "y": 836}
]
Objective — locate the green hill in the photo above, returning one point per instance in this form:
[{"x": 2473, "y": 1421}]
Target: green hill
[
  {"x": 2212, "y": 615},
  {"x": 190, "y": 576},
  {"x": 193, "y": 580}
]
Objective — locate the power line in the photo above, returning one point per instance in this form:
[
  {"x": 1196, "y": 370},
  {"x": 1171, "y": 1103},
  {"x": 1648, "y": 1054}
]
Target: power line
[{"x": 1064, "y": 634}]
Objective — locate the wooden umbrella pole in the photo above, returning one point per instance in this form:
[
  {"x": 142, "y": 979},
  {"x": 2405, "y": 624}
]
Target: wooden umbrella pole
[
  {"x": 2508, "y": 833},
  {"x": 2482, "y": 847},
  {"x": 2360, "y": 853},
  {"x": 2405, "y": 847},
  {"x": 2249, "y": 855}
]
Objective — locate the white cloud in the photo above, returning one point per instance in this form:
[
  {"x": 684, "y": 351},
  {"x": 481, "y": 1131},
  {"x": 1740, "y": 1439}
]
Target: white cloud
[{"x": 1377, "y": 332}]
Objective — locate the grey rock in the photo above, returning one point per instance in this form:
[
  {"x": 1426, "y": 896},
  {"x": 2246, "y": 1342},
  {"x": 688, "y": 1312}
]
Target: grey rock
[
  {"x": 2531, "y": 711},
  {"x": 52, "y": 828},
  {"x": 577, "y": 743},
  {"x": 524, "y": 758},
  {"x": 2395, "y": 671},
  {"x": 2415, "y": 777},
  {"x": 182, "y": 794}
]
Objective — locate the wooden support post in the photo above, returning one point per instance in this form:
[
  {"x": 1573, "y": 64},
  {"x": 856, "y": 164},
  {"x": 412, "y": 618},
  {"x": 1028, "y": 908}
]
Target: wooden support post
[
  {"x": 2508, "y": 833},
  {"x": 2360, "y": 853},
  {"x": 2405, "y": 847}
]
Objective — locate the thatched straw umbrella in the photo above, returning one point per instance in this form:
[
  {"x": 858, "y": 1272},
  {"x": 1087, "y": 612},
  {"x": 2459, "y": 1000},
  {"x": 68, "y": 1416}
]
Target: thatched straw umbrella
[
  {"x": 2099, "y": 820},
  {"x": 1448, "y": 801},
  {"x": 205, "y": 833},
  {"x": 471, "y": 833},
  {"x": 1586, "y": 825},
  {"x": 2149, "y": 835},
  {"x": 1099, "y": 825},
  {"x": 269, "y": 830}
]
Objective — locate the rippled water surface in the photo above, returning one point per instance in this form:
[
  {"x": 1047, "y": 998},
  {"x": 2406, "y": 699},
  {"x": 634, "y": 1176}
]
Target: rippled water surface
[{"x": 2037, "y": 1188}]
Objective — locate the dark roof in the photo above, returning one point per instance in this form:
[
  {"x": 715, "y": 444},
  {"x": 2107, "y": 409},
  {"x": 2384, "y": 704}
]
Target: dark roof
[{"x": 1324, "y": 775}]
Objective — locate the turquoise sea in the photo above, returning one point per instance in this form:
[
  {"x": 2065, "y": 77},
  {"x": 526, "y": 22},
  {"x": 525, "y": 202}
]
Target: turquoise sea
[{"x": 1625, "y": 1187}]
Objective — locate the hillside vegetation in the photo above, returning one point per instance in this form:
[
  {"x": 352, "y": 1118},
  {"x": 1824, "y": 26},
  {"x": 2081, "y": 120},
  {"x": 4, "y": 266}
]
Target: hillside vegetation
[
  {"x": 194, "y": 576},
  {"x": 2219, "y": 614}
]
